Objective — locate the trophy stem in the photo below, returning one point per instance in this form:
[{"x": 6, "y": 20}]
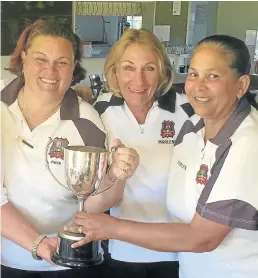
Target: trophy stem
[{"x": 81, "y": 201}]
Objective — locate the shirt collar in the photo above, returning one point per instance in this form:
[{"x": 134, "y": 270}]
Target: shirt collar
[
  {"x": 241, "y": 111},
  {"x": 237, "y": 117},
  {"x": 69, "y": 109},
  {"x": 165, "y": 101}
]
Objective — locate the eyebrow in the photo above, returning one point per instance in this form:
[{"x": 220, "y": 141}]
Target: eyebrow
[
  {"x": 38, "y": 52},
  {"x": 123, "y": 61},
  {"x": 206, "y": 69}
]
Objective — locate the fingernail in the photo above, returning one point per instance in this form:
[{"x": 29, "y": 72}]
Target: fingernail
[
  {"x": 73, "y": 246},
  {"x": 65, "y": 228}
]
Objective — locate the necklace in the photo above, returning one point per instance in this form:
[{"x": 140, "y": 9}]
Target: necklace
[{"x": 26, "y": 114}]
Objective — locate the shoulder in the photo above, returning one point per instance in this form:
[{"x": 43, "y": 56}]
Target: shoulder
[
  {"x": 175, "y": 103},
  {"x": 248, "y": 130},
  {"x": 6, "y": 114},
  {"x": 104, "y": 97},
  {"x": 106, "y": 101},
  {"x": 89, "y": 114},
  {"x": 183, "y": 104}
]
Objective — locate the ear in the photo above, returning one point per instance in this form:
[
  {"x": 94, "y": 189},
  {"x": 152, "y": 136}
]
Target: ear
[
  {"x": 23, "y": 56},
  {"x": 75, "y": 63},
  {"x": 244, "y": 82}
]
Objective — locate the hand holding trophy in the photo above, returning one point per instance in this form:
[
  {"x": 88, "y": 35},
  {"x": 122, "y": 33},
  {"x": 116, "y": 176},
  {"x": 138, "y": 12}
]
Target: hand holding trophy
[{"x": 85, "y": 168}]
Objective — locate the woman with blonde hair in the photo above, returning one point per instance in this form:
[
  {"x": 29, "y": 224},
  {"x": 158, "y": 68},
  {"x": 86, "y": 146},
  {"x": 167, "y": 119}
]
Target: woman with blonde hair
[{"x": 142, "y": 110}]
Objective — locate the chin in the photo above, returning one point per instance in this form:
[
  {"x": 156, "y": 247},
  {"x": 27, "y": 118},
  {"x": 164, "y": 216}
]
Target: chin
[{"x": 202, "y": 112}]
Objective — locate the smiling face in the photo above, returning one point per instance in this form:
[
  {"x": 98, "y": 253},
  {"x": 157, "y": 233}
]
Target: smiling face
[
  {"x": 137, "y": 74},
  {"x": 48, "y": 67},
  {"x": 212, "y": 86}
]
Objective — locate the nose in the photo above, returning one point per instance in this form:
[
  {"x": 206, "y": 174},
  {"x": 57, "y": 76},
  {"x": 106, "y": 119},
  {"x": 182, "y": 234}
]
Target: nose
[
  {"x": 139, "y": 78},
  {"x": 52, "y": 67},
  {"x": 200, "y": 84}
]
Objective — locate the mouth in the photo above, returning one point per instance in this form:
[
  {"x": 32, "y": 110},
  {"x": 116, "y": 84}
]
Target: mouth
[
  {"x": 137, "y": 91},
  {"x": 48, "y": 81},
  {"x": 202, "y": 99}
]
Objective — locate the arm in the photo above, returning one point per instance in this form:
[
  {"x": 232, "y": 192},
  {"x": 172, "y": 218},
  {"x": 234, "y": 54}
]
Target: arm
[
  {"x": 201, "y": 235},
  {"x": 108, "y": 199},
  {"x": 124, "y": 164},
  {"x": 17, "y": 229}
]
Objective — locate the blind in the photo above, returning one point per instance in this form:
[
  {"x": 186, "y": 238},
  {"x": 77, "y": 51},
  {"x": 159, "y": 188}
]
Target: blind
[{"x": 108, "y": 8}]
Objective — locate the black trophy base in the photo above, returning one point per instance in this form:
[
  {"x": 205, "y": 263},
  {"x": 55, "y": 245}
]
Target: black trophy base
[
  {"x": 76, "y": 264},
  {"x": 84, "y": 256}
]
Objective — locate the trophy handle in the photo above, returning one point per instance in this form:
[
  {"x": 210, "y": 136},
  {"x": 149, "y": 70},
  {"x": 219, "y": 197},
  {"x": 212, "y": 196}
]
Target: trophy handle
[
  {"x": 47, "y": 164},
  {"x": 114, "y": 181}
]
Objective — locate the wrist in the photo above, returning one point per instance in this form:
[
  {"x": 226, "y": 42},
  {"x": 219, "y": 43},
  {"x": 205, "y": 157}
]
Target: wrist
[
  {"x": 111, "y": 175},
  {"x": 35, "y": 245},
  {"x": 115, "y": 230}
]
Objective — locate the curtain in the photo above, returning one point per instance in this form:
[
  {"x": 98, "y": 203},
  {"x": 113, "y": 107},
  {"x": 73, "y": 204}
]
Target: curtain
[{"x": 108, "y": 8}]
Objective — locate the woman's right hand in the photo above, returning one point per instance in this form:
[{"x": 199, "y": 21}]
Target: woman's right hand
[
  {"x": 46, "y": 248},
  {"x": 95, "y": 226}
]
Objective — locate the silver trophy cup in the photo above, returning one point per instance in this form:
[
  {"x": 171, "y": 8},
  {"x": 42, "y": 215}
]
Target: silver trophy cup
[{"x": 85, "y": 168}]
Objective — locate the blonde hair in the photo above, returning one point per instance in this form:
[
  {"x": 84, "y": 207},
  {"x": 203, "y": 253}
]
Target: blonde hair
[{"x": 147, "y": 39}]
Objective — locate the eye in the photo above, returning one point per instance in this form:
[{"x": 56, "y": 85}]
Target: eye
[
  {"x": 192, "y": 74},
  {"x": 40, "y": 59},
  {"x": 62, "y": 63},
  {"x": 149, "y": 68},
  {"x": 128, "y": 68},
  {"x": 213, "y": 76}
]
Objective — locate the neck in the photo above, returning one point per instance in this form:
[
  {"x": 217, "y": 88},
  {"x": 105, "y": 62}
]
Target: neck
[
  {"x": 140, "y": 112},
  {"x": 212, "y": 127},
  {"x": 35, "y": 110}
]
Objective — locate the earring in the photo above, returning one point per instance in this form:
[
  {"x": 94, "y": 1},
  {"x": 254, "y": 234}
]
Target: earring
[{"x": 22, "y": 71}]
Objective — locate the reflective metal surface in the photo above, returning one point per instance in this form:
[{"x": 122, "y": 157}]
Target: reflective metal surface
[{"x": 85, "y": 168}]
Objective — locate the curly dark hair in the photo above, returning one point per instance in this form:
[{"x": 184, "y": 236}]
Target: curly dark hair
[{"x": 52, "y": 28}]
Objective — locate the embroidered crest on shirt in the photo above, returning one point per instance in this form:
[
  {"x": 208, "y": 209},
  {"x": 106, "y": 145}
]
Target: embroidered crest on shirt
[
  {"x": 167, "y": 129},
  {"x": 202, "y": 175},
  {"x": 57, "y": 147}
]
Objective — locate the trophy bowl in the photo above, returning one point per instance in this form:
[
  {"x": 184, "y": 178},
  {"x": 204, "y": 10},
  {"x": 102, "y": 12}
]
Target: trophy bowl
[{"x": 85, "y": 168}]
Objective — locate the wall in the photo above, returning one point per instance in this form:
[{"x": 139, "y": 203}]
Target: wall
[
  {"x": 234, "y": 18},
  {"x": 178, "y": 23},
  {"x": 148, "y": 15}
]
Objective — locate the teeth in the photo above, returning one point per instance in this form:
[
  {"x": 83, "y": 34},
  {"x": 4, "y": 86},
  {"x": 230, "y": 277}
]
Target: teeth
[
  {"x": 204, "y": 99},
  {"x": 48, "y": 80},
  {"x": 137, "y": 91}
]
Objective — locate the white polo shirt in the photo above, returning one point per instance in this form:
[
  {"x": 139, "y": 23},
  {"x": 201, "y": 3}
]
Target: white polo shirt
[
  {"x": 144, "y": 196},
  {"x": 30, "y": 186},
  {"x": 219, "y": 181}
]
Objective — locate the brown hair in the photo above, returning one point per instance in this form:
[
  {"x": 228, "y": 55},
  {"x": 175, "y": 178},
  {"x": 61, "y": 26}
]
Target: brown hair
[
  {"x": 147, "y": 39},
  {"x": 47, "y": 28}
]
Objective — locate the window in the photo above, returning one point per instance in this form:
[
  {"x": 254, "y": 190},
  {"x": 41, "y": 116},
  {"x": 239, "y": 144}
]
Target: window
[{"x": 135, "y": 21}]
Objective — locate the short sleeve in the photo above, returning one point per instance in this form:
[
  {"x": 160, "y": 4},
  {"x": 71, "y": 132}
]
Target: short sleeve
[{"x": 230, "y": 196}]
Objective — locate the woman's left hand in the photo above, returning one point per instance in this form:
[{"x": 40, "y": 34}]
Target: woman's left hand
[
  {"x": 95, "y": 226},
  {"x": 124, "y": 161}
]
